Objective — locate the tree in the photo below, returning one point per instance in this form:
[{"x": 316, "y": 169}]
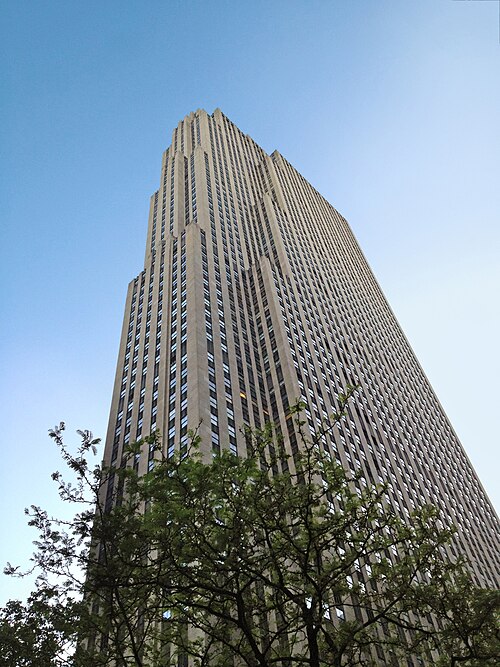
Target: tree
[
  {"x": 471, "y": 632},
  {"x": 264, "y": 560},
  {"x": 38, "y": 632}
]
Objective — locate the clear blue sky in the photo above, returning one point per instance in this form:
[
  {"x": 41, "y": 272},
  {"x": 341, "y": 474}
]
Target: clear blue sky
[{"x": 390, "y": 108}]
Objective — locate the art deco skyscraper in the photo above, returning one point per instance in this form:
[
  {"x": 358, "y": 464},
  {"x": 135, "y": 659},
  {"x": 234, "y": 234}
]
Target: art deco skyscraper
[{"x": 255, "y": 294}]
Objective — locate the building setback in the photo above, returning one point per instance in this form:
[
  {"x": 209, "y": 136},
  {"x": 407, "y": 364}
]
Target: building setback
[{"x": 255, "y": 294}]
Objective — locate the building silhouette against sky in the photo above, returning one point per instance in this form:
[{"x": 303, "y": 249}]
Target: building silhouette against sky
[{"x": 255, "y": 294}]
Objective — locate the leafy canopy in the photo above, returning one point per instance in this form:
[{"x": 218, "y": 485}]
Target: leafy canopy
[{"x": 264, "y": 560}]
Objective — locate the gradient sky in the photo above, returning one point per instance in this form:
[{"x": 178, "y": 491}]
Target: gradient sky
[{"x": 390, "y": 108}]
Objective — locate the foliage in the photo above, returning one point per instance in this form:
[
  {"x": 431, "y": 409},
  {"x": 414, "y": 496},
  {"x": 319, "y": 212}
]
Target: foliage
[
  {"x": 38, "y": 632},
  {"x": 263, "y": 560}
]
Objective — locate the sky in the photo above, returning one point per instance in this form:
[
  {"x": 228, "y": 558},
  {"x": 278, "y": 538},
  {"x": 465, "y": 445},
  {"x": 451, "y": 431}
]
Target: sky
[{"x": 390, "y": 108}]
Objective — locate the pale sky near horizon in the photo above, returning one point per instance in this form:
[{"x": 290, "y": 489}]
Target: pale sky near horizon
[{"x": 390, "y": 108}]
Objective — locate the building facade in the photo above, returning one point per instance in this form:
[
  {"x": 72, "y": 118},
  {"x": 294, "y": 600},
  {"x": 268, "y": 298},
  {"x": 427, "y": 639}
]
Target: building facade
[{"x": 255, "y": 294}]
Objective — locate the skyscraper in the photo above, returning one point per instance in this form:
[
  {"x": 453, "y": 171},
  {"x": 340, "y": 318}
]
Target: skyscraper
[{"x": 254, "y": 295}]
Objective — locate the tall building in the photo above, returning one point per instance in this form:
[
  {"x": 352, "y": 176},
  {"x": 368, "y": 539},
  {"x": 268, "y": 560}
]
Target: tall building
[{"x": 255, "y": 294}]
